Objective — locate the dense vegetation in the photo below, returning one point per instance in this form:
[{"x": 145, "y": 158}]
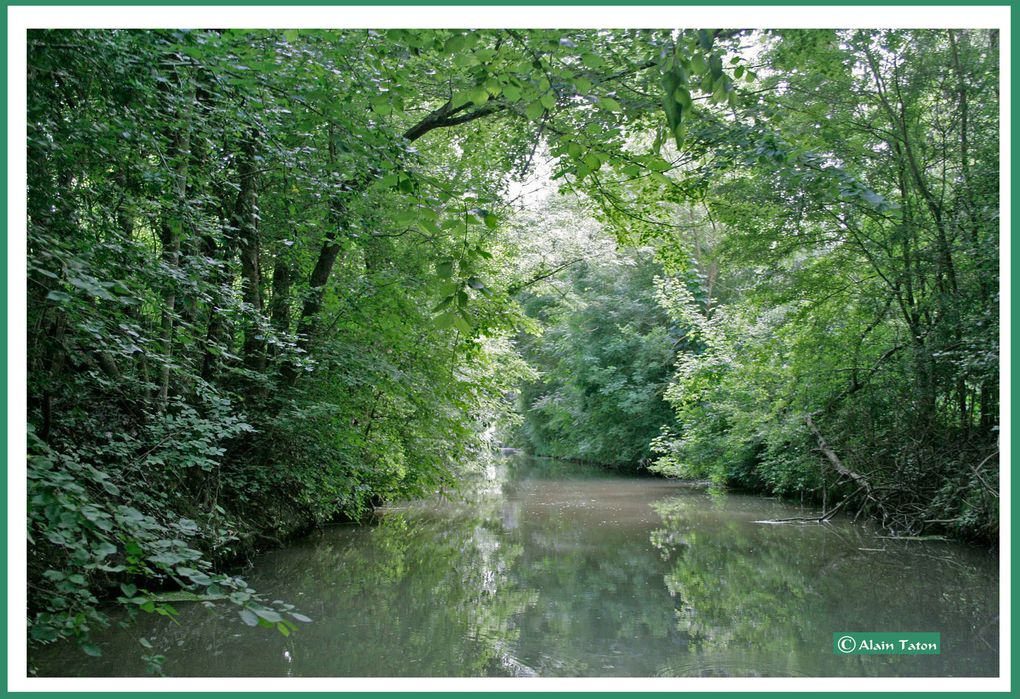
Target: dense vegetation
[
  {"x": 605, "y": 361},
  {"x": 860, "y": 326},
  {"x": 277, "y": 277},
  {"x": 602, "y": 350}
]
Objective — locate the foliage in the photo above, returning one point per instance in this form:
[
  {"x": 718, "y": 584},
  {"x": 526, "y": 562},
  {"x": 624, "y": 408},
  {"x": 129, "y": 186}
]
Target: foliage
[
  {"x": 275, "y": 276},
  {"x": 263, "y": 289},
  {"x": 603, "y": 359},
  {"x": 862, "y": 236}
]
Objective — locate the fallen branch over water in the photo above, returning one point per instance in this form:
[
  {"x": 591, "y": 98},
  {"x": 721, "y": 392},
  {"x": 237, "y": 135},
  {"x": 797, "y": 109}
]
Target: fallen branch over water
[
  {"x": 841, "y": 469},
  {"x": 837, "y": 464},
  {"x": 824, "y": 517}
]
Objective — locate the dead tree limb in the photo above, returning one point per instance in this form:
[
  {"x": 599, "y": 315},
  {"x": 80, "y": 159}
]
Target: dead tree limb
[{"x": 843, "y": 470}]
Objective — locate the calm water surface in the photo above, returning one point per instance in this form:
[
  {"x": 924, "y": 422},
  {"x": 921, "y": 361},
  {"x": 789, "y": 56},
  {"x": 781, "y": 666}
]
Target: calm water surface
[{"x": 551, "y": 569}]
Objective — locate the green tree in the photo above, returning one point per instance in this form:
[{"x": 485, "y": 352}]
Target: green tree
[{"x": 856, "y": 198}]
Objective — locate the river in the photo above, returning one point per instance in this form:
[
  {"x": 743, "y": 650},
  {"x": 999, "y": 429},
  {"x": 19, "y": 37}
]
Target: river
[{"x": 553, "y": 569}]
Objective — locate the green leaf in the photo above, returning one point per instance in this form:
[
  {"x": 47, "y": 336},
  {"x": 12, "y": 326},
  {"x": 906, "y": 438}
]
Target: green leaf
[
  {"x": 479, "y": 96},
  {"x": 269, "y": 615},
  {"x": 449, "y": 288},
  {"x": 455, "y": 43},
  {"x": 446, "y": 320},
  {"x": 548, "y": 101},
  {"x": 166, "y": 610},
  {"x": 534, "y": 111},
  {"x": 698, "y": 64},
  {"x": 610, "y": 104},
  {"x": 104, "y": 550},
  {"x": 405, "y": 217},
  {"x": 683, "y": 98},
  {"x": 462, "y": 98},
  {"x": 444, "y": 268},
  {"x": 248, "y": 617},
  {"x": 657, "y": 164},
  {"x": 705, "y": 39},
  {"x": 91, "y": 649},
  {"x": 461, "y": 323},
  {"x": 43, "y": 632}
]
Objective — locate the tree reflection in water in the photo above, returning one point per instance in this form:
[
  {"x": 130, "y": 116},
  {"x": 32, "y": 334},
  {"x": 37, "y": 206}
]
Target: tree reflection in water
[
  {"x": 763, "y": 598},
  {"x": 551, "y": 569}
]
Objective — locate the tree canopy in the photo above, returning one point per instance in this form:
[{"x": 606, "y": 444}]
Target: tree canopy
[{"x": 279, "y": 277}]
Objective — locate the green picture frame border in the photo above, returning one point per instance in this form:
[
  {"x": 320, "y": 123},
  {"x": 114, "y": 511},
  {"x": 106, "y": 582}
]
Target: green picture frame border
[{"x": 387, "y": 694}]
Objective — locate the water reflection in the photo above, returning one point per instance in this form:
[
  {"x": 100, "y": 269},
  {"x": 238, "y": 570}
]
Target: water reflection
[
  {"x": 553, "y": 570},
  {"x": 764, "y": 599}
]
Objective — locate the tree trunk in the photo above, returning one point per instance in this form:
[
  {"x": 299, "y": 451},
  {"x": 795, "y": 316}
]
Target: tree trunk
[
  {"x": 444, "y": 116},
  {"x": 172, "y": 230},
  {"x": 279, "y": 310},
  {"x": 246, "y": 220}
]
